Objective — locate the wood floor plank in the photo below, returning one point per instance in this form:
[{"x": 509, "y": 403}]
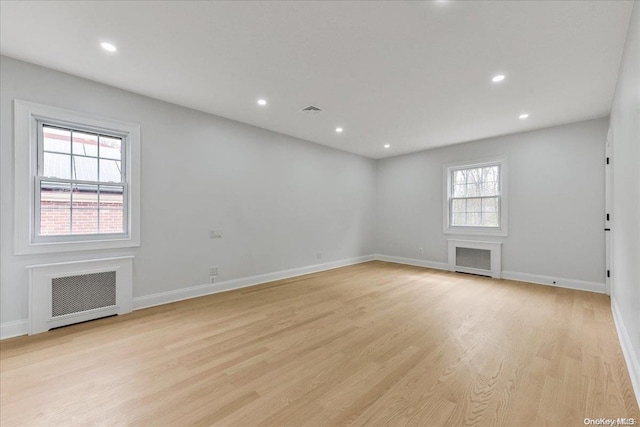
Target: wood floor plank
[{"x": 373, "y": 344}]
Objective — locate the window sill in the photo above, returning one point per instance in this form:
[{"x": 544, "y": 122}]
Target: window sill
[
  {"x": 476, "y": 231},
  {"x": 82, "y": 245}
]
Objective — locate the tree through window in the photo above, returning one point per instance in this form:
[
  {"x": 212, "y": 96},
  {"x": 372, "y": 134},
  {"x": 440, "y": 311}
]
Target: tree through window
[{"x": 475, "y": 197}]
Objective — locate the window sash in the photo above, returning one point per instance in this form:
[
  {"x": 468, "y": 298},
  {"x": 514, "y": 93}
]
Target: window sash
[
  {"x": 86, "y": 130},
  {"x": 498, "y": 181},
  {"x": 497, "y": 212},
  {"x": 39, "y": 238}
]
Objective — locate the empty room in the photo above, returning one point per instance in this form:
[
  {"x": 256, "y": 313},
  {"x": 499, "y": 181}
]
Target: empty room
[{"x": 320, "y": 213}]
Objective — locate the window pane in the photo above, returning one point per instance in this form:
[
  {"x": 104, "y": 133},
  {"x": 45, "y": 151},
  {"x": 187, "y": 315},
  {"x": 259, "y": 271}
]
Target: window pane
[
  {"x": 111, "y": 197},
  {"x": 474, "y": 205},
  {"x": 110, "y": 171},
  {"x": 490, "y": 205},
  {"x": 459, "y": 219},
  {"x": 84, "y": 204},
  {"x": 111, "y": 221},
  {"x": 58, "y": 140},
  {"x": 57, "y": 166},
  {"x": 490, "y": 173},
  {"x": 55, "y": 195},
  {"x": 55, "y": 221},
  {"x": 85, "y": 196},
  {"x": 489, "y": 188},
  {"x": 474, "y": 176},
  {"x": 474, "y": 219},
  {"x": 459, "y": 205},
  {"x": 490, "y": 220},
  {"x": 85, "y": 144},
  {"x": 459, "y": 190},
  {"x": 85, "y": 168},
  {"x": 111, "y": 209},
  {"x": 110, "y": 148},
  {"x": 55, "y": 212},
  {"x": 459, "y": 177},
  {"x": 473, "y": 190},
  {"x": 89, "y": 149},
  {"x": 84, "y": 221}
]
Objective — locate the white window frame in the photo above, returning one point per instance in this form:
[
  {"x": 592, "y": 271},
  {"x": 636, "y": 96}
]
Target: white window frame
[
  {"x": 503, "y": 216},
  {"x": 27, "y": 118}
]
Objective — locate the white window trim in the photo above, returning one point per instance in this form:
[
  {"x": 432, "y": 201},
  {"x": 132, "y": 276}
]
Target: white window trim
[
  {"x": 26, "y": 116},
  {"x": 503, "y": 230}
]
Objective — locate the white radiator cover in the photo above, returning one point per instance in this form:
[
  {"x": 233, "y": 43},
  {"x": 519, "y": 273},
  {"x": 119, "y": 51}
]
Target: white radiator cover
[
  {"x": 83, "y": 291},
  {"x": 492, "y": 268}
]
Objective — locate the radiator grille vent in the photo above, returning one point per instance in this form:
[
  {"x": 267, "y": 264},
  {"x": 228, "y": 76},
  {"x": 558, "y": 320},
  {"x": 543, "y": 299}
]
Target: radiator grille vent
[
  {"x": 74, "y": 294},
  {"x": 473, "y": 258}
]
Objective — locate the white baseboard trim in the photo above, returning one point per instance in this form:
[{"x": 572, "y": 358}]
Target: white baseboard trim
[
  {"x": 214, "y": 288},
  {"x": 633, "y": 364},
  {"x": 412, "y": 261},
  {"x": 14, "y": 328},
  {"x": 20, "y": 327},
  {"x": 539, "y": 279},
  {"x": 560, "y": 282}
]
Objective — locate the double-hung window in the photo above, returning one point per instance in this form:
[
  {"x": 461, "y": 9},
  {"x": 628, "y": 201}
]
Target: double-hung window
[
  {"x": 81, "y": 184},
  {"x": 77, "y": 181},
  {"x": 475, "y": 197}
]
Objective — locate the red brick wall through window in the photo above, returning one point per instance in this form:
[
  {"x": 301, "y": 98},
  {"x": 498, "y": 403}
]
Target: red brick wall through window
[{"x": 58, "y": 216}]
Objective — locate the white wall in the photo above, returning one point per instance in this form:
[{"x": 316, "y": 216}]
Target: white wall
[
  {"x": 556, "y": 202},
  {"x": 278, "y": 200},
  {"x": 625, "y": 124}
]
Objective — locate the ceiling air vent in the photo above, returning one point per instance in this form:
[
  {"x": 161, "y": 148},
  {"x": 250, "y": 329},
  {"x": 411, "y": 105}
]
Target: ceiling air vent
[{"x": 312, "y": 109}]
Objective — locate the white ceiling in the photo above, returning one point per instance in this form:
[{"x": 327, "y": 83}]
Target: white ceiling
[{"x": 414, "y": 75}]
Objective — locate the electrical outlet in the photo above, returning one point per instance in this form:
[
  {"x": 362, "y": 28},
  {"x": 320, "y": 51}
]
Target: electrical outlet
[
  {"x": 215, "y": 234},
  {"x": 420, "y": 251},
  {"x": 213, "y": 271},
  {"x": 318, "y": 255},
  {"x": 212, "y": 279}
]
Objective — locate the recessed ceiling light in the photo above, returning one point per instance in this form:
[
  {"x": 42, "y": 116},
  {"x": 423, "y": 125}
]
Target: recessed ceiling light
[
  {"x": 498, "y": 78},
  {"x": 523, "y": 116},
  {"x": 262, "y": 102},
  {"x": 108, "y": 47},
  {"x": 339, "y": 130},
  {"x": 387, "y": 145}
]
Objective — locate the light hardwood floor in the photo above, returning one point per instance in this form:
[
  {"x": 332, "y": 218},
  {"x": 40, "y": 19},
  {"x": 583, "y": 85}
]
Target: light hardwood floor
[{"x": 373, "y": 344}]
